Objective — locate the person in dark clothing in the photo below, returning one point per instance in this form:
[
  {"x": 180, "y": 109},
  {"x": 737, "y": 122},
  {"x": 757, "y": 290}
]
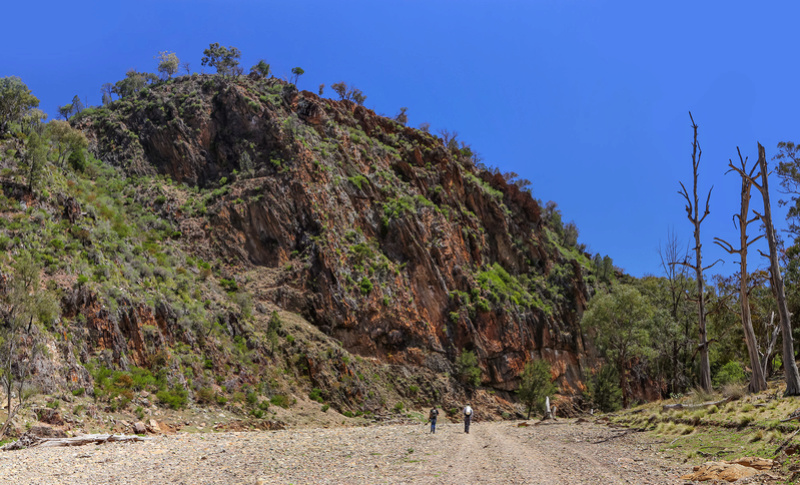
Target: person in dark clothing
[
  {"x": 467, "y": 417},
  {"x": 432, "y": 418}
]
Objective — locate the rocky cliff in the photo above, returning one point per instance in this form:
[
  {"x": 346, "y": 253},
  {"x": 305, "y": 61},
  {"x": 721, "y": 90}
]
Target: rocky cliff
[{"x": 383, "y": 236}]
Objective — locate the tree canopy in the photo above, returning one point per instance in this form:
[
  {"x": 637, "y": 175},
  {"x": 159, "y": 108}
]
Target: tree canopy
[
  {"x": 224, "y": 59},
  {"x": 16, "y": 100},
  {"x": 262, "y": 69},
  {"x": 168, "y": 64},
  {"x": 349, "y": 93},
  {"x": 536, "y": 384},
  {"x": 133, "y": 83},
  {"x": 620, "y": 323}
]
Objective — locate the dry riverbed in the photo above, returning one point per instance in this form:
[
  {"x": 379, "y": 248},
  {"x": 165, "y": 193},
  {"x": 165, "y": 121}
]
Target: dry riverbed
[{"x": 565, "y": 452}]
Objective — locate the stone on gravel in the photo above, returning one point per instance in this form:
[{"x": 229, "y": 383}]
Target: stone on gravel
[
  {"x": 755, "y": 462},
  {"x": 153, "y": 427},
  {"x": 720, "y": 470},
  {"x": 139, "y": 428}
]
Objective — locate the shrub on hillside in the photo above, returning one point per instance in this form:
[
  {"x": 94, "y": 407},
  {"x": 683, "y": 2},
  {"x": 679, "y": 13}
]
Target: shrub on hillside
[
  {"x": 730, "y": 373},
  {"x": 602, "y": 389},
  {"x": 468, "y": 371}
]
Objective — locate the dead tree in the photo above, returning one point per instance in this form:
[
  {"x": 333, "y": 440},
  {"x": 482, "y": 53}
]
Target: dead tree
[
  {"x": 670, "y": 254},
  {"x": 765, "y": 357},
  {"x": 758, "y": 382},
  {"x": 789, "y": 364},
  {"x": 693, "y": 213}
]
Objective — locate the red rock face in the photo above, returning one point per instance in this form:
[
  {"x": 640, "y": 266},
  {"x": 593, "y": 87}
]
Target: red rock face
[
  {"x": 122, "y": 333},
  {"x": 388, "y": 232}
]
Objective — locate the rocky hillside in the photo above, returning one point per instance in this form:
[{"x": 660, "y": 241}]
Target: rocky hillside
[
  {"x": 379, "y": 234},
  {"x": 234, "y": 242}
]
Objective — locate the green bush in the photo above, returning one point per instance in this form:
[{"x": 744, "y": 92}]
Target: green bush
[
  {"x": 316, "y": 395},
  {"x": 468, "y": 371},
  {"x": 176, "y": 397},
  {"x": 77, "y": 160},
  {"x": 730, "y": 373},
  {"x": 204, "y": 395},
  {"x": 280, "y": 400},
  {"x": 602, "y": 389},
  {"x": 358, "y": 181},
  {"x": 537, "y": 384},
  {"x": 229, "y": 285},
  {"x": 365, "y": 285}
]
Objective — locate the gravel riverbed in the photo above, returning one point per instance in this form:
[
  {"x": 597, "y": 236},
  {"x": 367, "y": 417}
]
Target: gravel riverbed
[{"x": 564, "y": 452}]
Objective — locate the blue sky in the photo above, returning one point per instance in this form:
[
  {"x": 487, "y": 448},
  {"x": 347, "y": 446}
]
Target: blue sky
[{"x": 587, "y": 99}]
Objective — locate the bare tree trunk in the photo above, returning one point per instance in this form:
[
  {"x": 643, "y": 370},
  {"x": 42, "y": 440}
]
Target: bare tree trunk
[
  {"x": 757, "y": 381},
  {"x": 770, "y": 346},
  {"x": 693, "y": 213},
  {"x": 789, "y": 364}
]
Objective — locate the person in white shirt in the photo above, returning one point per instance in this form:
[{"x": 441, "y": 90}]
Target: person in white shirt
[{"x": 467, "y": 417}]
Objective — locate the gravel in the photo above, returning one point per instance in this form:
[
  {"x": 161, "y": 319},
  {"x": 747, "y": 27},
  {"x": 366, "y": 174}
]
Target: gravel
[{"x": 564, "y": 452}]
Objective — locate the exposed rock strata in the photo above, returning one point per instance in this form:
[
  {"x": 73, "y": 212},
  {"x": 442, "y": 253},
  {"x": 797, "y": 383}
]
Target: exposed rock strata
[{"x": 343, "y": 196}]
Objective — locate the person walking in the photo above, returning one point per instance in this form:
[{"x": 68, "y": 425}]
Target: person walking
[
  {"x": 432, "y": 418},
  {"x": 467, "y": 418}
]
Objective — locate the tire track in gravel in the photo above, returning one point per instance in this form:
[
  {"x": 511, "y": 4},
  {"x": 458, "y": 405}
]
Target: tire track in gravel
[
  {"x": 487, "y": 455},
  {"x": 568, "y": 464},
  {"x": 551, "y": 455}
]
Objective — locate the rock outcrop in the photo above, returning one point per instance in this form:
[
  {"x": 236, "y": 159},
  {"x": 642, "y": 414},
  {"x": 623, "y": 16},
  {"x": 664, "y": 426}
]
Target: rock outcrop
[{"x": 386, "y": 238}]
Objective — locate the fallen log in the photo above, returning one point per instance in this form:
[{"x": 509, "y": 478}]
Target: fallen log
[
  {"x": 670, "y": 407},
  {"x": 624, "y": 433},
  {"x": 32, "y": 441}
]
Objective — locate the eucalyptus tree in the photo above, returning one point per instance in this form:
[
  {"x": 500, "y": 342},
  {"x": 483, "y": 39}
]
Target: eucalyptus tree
[
  {"x": 15, "y": 101},
  {"x": 743, "y": 219},
  {"x": 620, "y": 323},
  {"x": 224, "y": 59},
  {"x": 791, "y": 374}
]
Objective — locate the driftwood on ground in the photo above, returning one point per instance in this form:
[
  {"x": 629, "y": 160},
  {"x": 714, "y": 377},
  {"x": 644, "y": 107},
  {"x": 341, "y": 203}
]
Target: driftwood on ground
[
  {"x": 668, "y": 407},
  {"x": 27, "y": 441},
  {"x": 618, "y": 435}
]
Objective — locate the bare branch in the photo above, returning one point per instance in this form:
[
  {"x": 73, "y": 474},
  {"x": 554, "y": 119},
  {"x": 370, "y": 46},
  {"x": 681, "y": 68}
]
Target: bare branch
[
  {"x": 754, "y": 240},
  {"x": 708, "y": 198},
  {"x": 726, "y": 246},
  {"x": 684, "y": 263},
  {"x": 712, "y": 264},
  {"x": 745, "y": 176}
]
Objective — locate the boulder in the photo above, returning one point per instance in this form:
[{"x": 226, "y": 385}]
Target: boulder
[
  {"x": 139, "y": 428},
  {"x": 755, "y": 462},
  {"x": 153, "y": 426},
  {"x": 720, "y": 470}
]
